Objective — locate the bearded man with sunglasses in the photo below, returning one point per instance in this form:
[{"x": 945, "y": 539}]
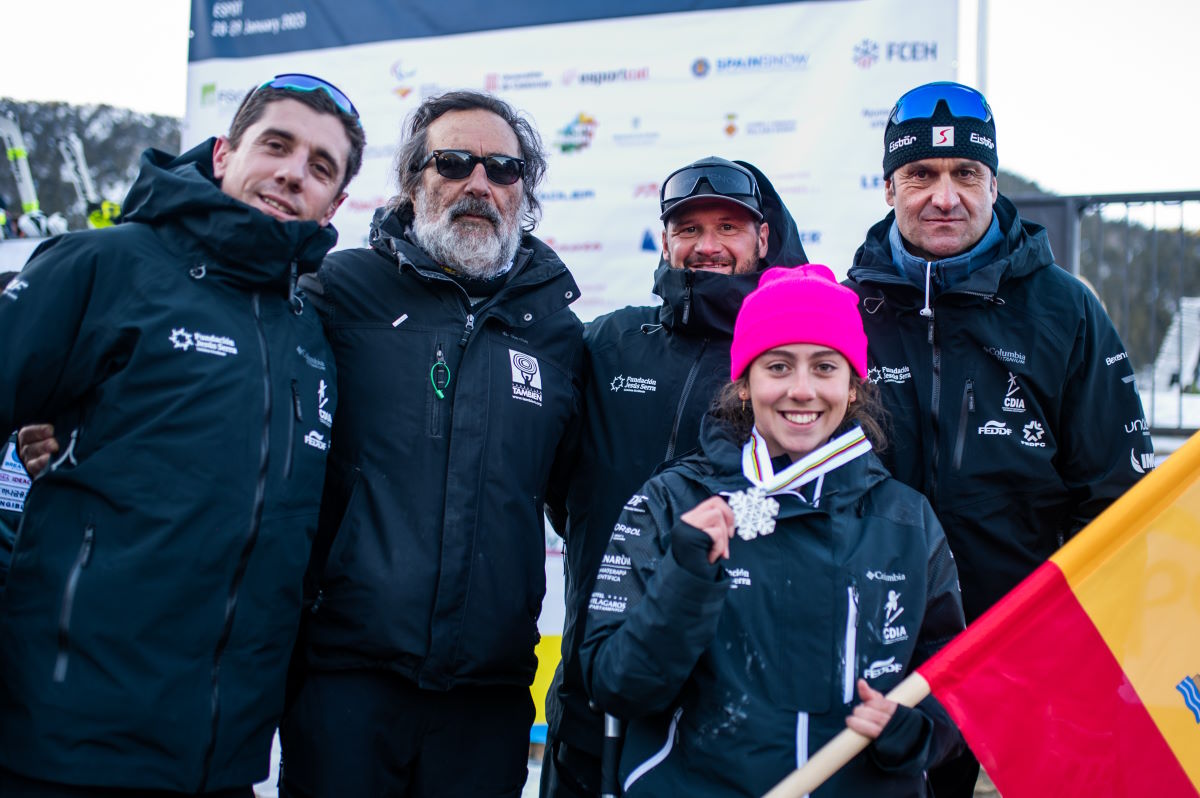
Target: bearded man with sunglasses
[
  {"x": 459, "y": 366},
  {"x": 156, "y": 583},
  {"x": 652, "y": 373},
  {"x": 1010, "y": 392}
]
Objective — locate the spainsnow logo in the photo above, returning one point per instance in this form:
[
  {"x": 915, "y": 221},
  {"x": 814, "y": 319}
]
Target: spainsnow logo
[
  {"x": 526, "y": 377},
  {"x": 943, "y": 136},
  {"x": 866, "y": 53}
]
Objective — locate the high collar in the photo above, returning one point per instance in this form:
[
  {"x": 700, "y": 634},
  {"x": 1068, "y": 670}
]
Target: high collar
[{"x": 236, "y": 242}]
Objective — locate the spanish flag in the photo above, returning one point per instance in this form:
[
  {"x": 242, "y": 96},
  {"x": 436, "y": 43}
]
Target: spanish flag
[{"x": 1085, "y": 679}]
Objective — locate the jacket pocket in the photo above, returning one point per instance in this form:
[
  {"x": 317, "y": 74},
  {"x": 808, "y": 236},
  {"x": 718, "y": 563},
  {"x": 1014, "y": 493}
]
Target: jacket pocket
[
  {"x": 68, "y": 603},
  {"x": 659, "y": 756},
  {"x": 968, "y": 409}
]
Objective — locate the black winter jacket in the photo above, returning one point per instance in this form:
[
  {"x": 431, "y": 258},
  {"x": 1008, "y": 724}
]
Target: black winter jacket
[
  {"x": 1013, "y": 405},
  {"x": 431, "y": 552},
  {"x": 650, "y": 375},
  {"x": 729, "y": 684},
  {"x": 156, "y": 586}
]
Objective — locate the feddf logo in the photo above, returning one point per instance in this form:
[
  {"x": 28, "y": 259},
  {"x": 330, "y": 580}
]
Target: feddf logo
[{"x": 526, "y": 377}]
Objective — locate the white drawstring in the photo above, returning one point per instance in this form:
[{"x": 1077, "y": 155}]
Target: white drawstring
[{"x": 927, "y": 311}]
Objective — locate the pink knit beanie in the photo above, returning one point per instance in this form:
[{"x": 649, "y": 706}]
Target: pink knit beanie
[{"x": 801, "y": 305}]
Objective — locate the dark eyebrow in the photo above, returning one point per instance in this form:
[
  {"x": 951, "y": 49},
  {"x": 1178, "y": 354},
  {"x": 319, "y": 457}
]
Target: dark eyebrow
[{"x": 290, "y": 137}]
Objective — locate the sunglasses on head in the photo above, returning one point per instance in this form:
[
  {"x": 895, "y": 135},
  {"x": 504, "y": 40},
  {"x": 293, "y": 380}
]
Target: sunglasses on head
[
  {"x": 296, "y": 81},
  {"x": 921, "y": 102},
  {"x": 723, "y": 180},
  {"x": 458, "y": 165}
]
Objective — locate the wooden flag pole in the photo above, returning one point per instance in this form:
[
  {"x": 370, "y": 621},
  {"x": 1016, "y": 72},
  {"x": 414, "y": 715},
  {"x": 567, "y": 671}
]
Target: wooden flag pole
[{"x": 844, "y": 747}]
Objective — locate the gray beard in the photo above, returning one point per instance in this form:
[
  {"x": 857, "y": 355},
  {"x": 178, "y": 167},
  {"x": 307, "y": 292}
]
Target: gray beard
[{"x": 475, "y": 250}]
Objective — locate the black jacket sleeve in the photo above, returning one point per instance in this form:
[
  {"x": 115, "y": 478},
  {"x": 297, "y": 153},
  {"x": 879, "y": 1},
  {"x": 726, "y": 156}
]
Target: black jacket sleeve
[
  {"x": 649, "y": 619},
  {"x": 1098, "y": 460}
]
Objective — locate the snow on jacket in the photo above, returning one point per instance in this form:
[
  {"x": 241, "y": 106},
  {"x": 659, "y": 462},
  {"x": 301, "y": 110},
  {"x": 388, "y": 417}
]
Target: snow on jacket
[
  {"x": 651, "y": 374},
  {"x": 430, "y": 559},
  {"x": 156, "y": 586},
  {"x": 729, "y": 684},
  {"x": 1013, "y": 404}
]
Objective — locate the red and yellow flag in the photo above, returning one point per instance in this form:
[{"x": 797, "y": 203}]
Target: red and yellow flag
[{"x": 1083, "y": 680}]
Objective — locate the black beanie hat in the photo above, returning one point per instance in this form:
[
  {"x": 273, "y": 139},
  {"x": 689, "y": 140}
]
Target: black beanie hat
[{"x": 943, "y": 135}]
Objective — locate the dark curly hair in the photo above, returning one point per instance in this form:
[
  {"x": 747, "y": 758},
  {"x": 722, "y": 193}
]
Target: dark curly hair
[{"x": 414, "y": 149}]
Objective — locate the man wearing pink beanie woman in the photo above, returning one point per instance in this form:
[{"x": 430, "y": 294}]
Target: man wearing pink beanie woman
[{"x": 764, "y": 593}]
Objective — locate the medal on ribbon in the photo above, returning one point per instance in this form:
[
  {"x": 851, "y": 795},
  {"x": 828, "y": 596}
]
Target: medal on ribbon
[{"x": 754, "y": 508}]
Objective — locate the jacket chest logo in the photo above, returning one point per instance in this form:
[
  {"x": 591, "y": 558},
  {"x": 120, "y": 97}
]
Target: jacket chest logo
[
  {"x": 1014, "y": 402},
  {"x": 526, "y": 377},
  {"x": 323, "y": 399},
  {"x": 895, "y": 375},
  {"x": 623, "y": 384},
  {"x": 893, "y": 632},
  {"x": 205, "y": 343}
]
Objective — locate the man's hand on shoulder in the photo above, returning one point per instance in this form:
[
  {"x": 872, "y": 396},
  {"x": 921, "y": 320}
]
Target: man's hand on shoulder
[{"x": 35, "y": 446}]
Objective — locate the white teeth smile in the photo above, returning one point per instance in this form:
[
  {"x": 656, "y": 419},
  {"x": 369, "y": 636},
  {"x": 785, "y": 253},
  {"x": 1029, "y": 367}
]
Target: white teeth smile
[
  {"x": 277, "y": 206},
  {"x": 801, "y": 418}
]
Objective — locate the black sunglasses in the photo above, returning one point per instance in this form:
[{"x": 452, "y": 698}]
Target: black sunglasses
[
  {"x": 458, "y": 165},
  {"x": 722, "y": 179},
  {"x": 296, "y": 81}
]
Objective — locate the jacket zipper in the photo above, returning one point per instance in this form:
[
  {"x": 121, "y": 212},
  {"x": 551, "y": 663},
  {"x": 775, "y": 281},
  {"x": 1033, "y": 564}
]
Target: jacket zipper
[
  {"x": 683, "y": 397},
  {"x": 251, "y": 538},
  {"x": 851, "y": 647},
  {"x": 439, "y": 379},
  {"x": 468, "y": 328},
  {"x": 294, "y": 418},
  {"x": 968, "y": 407},
  {"x": 935, "y": 402},
  {"x": 687, "y": 298},
  {"x": 68, "y": 603}
]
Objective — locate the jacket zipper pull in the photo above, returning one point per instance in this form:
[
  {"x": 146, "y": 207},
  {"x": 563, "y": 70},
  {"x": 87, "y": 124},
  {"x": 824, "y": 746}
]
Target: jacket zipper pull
[
  {"x": 930, "y": 327},
  {"x": 687, "y": 298},
  {"x": 439, "y": 375},
  {"x": 296, "y": 401},
  {"x": 467, "y": 330}
]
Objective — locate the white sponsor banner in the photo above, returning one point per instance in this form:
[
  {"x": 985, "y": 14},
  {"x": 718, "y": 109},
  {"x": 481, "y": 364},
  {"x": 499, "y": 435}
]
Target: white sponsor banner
[{"x": 802, "y": 90}]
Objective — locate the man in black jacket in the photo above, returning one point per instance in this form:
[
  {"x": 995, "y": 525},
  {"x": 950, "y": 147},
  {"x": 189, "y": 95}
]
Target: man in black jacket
[
  {"x": 651, "y": 373},
  {"x": 156, "y": 583},
  {"x": 459, "y": 381},
  {"x": 1012, "y": 398}
]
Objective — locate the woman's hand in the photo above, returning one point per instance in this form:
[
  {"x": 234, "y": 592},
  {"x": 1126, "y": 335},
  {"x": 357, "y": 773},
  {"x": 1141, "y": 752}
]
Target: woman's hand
[
  {"x": 714, "y": 517},
  {"x": 869, "y": 717}
]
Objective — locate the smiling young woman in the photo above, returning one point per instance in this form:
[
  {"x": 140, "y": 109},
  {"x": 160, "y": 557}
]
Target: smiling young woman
[{"x": 765, "y": 592}]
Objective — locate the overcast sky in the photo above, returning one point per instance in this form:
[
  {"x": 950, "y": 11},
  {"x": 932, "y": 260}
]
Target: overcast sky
[{"x": 1090, "y": 96}]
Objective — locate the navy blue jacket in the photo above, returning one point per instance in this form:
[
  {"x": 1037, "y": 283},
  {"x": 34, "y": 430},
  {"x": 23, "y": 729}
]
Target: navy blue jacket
[
  {"x": 1013, "y": 405},
  {"x": 650, "y": 375},
  {"x": 156, "y": 585},
  {"x": 729, "y": 684},
  {"x": 430, "y": 560}
]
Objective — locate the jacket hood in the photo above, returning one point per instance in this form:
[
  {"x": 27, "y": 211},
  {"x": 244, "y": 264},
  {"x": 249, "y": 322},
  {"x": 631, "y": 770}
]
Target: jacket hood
[
  {"x": 180, "y": 194},
  {"x": 707, "y": 302},
  {"x": 1026, "y": 249}
]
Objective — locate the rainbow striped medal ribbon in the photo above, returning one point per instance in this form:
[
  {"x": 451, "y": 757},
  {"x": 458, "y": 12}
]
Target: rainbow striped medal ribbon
[{"x": 754, "y": 509}]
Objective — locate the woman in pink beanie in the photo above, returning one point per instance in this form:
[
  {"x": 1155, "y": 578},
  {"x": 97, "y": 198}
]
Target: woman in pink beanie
[{"x": 765, "y": 592}]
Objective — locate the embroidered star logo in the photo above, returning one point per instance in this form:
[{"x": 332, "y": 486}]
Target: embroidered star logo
[
  {"x": 181, "y": 339},
  {"x": 1033, "y": 431},
  {"x": 618, "y": 382}
]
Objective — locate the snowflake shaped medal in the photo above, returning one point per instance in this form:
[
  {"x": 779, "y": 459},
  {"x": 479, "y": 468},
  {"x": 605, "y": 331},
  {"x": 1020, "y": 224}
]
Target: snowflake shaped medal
[{"x": 754, "y": 512}]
